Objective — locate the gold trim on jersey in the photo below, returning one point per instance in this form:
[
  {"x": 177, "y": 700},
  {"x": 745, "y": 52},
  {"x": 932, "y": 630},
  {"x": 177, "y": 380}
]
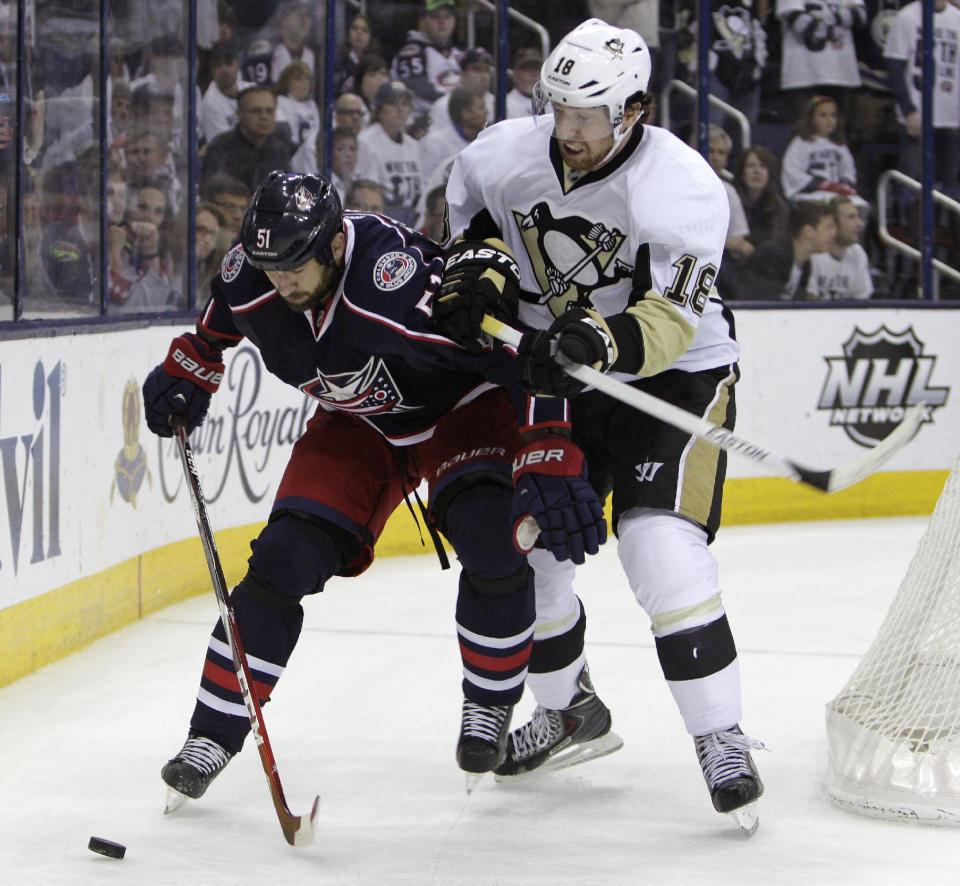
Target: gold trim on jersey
[
  {"x": 666, "y": 332},
  {"x": 698, "y": 479}
]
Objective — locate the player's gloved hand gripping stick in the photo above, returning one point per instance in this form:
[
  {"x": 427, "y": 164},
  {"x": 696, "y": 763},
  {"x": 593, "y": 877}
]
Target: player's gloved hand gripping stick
[
  {"x": 830, "y": 480},
  {"x": 298, "y": 829}
]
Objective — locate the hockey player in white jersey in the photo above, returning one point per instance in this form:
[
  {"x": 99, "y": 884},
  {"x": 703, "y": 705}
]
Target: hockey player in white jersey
[{"x": 618, "y": 230}]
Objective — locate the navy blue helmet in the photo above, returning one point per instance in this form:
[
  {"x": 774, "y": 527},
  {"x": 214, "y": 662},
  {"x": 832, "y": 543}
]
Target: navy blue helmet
[{"x": 291, "y": 219}]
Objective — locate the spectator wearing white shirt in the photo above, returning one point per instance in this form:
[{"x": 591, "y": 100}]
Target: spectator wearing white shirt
[
  {"x": 295, "y": 104},
  {"x": 818, "y": 52},
  {"x": 394, "y": 156},
  {"x": 468, "y": 113},
  {"x": 817, "y": 164},
  {"x": 218, "y": 107},
  {"x": 902, "y": 52},
  {"x": 477, "y": 74},
  {"x": 296, "y": 21},
  {"x": 844, "y": 270},
  {"x": 526, "y": 72}
]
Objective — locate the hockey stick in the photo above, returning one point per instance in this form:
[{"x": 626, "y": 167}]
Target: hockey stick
[
  {"x": 830, "y": 480},
  {"x": 298, "y": 829}
]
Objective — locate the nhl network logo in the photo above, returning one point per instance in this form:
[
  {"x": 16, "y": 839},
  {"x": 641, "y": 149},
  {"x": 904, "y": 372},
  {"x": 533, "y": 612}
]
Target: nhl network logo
[{"x": 880, "y": 375}]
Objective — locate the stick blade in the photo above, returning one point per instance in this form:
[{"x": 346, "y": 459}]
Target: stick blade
[
  {"x": 299, "y": 830},
  {"x": 860, "y": 468}
]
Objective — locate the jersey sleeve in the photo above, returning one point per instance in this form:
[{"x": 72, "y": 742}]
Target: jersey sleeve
[
  {"x": 676, "y": 268},
  {"x": 216, "y": 318},
  {"x": 465, "y": 198}
]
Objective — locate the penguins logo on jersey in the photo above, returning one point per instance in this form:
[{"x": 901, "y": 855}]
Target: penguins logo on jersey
[
  {"x": 370, "y": 390},
  {"x": 571, "y": 256}
]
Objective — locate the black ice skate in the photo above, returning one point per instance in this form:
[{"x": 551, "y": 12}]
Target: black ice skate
[
  {"x": 557, "y": 739},
  {"x": 731, "y": 775},
  {"x": 483, "y": 739},
  {"x": 189, "y": 773}
]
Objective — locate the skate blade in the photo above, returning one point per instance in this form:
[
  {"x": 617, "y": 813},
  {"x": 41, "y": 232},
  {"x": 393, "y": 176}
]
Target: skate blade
[
  {"x": 747, "y": 819},
  {"x": 572, "y": 756},
  {"x": 174, "y": 801},
  {"x": 471, "y": 780}
]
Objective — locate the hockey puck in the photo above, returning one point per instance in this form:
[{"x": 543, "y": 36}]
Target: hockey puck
[{"x": 106, "y": 847}]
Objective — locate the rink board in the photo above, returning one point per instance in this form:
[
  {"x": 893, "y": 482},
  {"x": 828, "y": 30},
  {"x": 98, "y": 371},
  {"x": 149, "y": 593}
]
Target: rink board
[{"x": 96, "y": 528}]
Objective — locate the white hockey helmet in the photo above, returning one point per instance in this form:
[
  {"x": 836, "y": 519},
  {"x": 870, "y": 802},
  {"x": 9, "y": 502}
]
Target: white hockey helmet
[{"x": 596, "y": 65}]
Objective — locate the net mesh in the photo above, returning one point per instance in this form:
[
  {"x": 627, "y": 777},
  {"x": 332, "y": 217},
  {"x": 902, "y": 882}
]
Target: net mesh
[{"x": 894, "y": 729}]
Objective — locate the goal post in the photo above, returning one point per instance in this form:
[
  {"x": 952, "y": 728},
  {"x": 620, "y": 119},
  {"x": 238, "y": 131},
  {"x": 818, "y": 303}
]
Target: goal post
[{"x": 893, "y": 731}]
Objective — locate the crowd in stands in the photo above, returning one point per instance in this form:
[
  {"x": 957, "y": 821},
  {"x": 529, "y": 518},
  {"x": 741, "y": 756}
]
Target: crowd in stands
[{"x": 828, "y": 88}]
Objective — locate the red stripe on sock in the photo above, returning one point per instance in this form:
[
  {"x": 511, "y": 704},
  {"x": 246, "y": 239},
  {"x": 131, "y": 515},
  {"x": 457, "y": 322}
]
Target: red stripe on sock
[
  {"x": 228, "y": 680},
  {"x": 495, "y": 663}
]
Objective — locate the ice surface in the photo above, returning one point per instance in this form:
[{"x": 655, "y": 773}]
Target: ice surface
[{"x": 367, "y": 715}]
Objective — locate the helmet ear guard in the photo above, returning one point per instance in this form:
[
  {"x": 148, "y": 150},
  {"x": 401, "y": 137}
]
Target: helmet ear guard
[
  {"x": 596, "y": 65},
  {"x": 291, "y": 219}
]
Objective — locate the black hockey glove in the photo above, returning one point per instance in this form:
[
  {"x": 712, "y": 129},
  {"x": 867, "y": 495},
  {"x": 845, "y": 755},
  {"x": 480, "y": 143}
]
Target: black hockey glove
[
  {"x": 550, "y": 485},
  {"x": 582, "y": 336},
  {"x": 481, "y": 277},
  {"x": 181, "y": 386}
]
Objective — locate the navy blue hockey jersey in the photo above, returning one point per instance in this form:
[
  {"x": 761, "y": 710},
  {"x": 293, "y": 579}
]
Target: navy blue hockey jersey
[{"x": 372, "y": 349}]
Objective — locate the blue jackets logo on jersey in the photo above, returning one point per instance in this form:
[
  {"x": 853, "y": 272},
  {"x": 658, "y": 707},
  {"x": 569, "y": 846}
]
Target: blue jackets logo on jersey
[
  {"x": 393, "y": 270},
  {"x": 231, "y": 264},
  {"x": 367, "y": 391}
]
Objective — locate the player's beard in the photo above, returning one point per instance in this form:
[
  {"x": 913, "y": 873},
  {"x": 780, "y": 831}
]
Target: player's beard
[
  {"x": 300, "y": 300},
  {"x": 585, "y": 156}
]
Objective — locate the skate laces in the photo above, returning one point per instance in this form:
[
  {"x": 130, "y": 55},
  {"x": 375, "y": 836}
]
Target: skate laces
[
  {"x": 204, "y": 754},
  {"x": 725, "y": 754},
  {"x": 544, "y": 728},
  {"x": 483, "y": 722}
]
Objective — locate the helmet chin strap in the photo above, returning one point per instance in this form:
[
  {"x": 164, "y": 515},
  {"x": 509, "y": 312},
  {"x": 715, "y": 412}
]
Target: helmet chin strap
[{"x": 618, "y": 141}]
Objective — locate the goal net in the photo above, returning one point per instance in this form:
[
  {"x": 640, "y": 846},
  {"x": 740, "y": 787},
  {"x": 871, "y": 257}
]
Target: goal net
[{"x": 893, "y": 732}]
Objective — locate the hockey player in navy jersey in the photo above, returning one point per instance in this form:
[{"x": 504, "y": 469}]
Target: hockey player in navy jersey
[
  {"x": 618, "y": 229},
  {"x": 339, "y": 306}
]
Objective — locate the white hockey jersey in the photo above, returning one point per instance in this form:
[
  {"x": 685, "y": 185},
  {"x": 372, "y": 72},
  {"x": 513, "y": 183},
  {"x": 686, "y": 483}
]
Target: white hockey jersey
[{"x": 642, "y": 235}]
